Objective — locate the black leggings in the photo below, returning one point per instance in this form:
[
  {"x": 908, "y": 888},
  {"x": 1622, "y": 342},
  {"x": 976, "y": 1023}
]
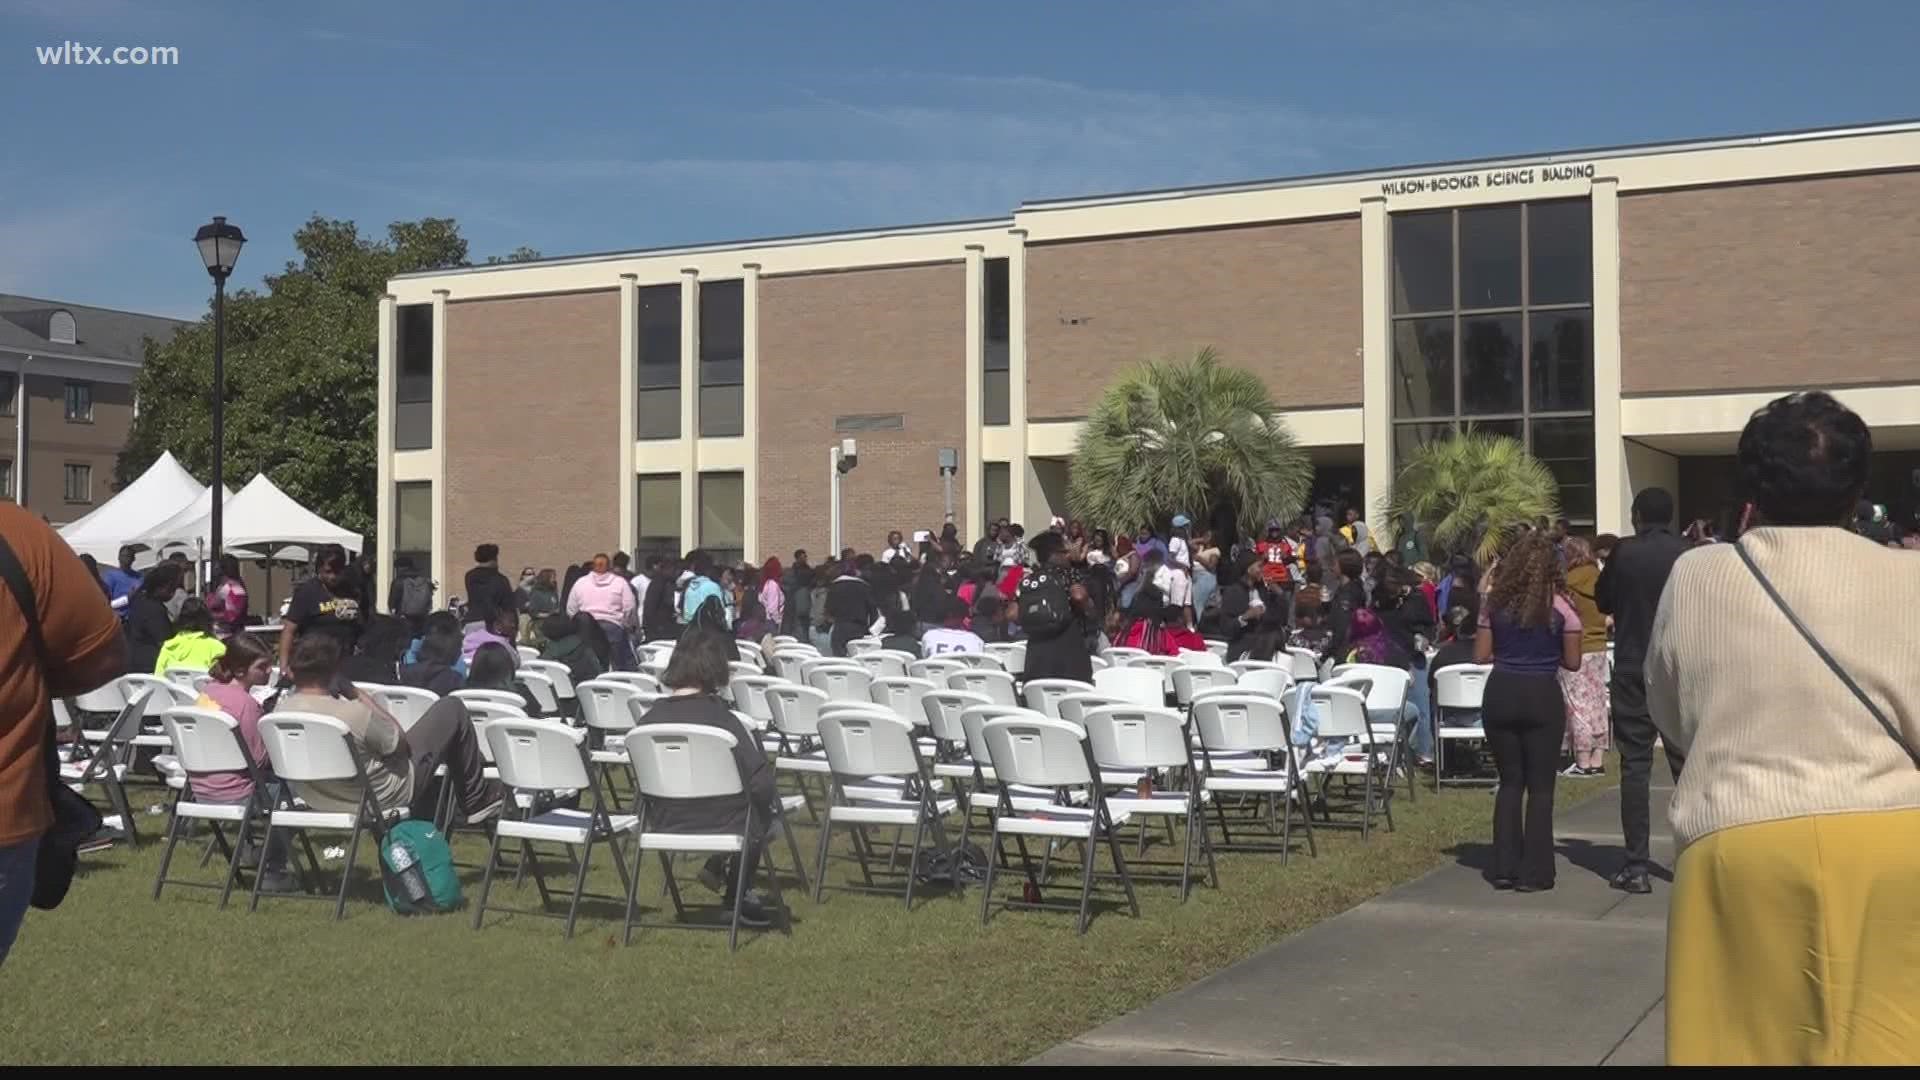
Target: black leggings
[{"x": 1525, "y": 721}]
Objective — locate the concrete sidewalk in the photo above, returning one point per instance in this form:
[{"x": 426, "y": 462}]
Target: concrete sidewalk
[{"x": 1441, "y": 971}]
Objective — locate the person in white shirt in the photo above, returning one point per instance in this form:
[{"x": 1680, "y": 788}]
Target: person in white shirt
[
  {"x": 951, "y": 636},
  {"x": 897, "y": 548},
  {"x": 1178, "y": 552}
]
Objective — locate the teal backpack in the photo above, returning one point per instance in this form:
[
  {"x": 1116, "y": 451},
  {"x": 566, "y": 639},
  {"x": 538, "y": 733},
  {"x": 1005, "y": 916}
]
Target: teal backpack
[{"x": 416, "y": 866}]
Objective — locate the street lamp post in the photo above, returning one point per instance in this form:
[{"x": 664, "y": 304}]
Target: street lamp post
[{"x": 219, "y": 245}]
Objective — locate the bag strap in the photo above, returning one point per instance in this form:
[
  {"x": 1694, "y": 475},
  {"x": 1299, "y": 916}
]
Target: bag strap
[{"x": 1827, "y": 657}]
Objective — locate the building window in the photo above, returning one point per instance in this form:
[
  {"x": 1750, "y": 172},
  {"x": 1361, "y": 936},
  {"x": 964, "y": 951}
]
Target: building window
[
  {"x": 413, "y": 382},
  {"x": 723, "y": 516},
  {"x": 657, "y": 413},
  {"x": 658, "y": 504},
  {"x": 722, "y": 357},
  {"x": 1493, "y": 332},
  {"x": 6, "y": 479},
  {"x": 996, "y": 493},
  {"x": 79, "y": 483},
  {"x": 997, "y": 311},
  {"x": 413, "y": 523},
  {"x": 79, "y": 403},
  {"x": 9, "y": 390},
  {"x": 60, "y": 328}
]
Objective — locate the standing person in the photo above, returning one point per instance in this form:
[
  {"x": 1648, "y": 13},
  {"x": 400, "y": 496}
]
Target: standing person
[
  {"x": 1629, "y": 590},
  {"x": 797, "y": 583},
  {"x": 488, "y": 589},
  {"x": 58, "y": 638},
  {"x": 604, "y": 597},
  {"x": 773, "y": 593},
  {"x": 1053, "y": 610},
  {"x": 1277, "y": 555},
  {"x": 850, "y": 609},
  {"x": 227, "y": 599},
  {"x": 702, "y": 586},
  {"x": 1356, "y": 534},
  {"x": 1586, "y": 689},
  {"x": 1529, "y": 633},
  {"x": 897, "y": 548},
  {"x": 622, "y": 565},
  {"x": 1350, "y": 597},
  {"x": 929, "y": 600},
  {"x": 326, "y": 603},
  {"x": 543, "y": 599},
  {"x": 121, "y": 582},
  {"x": 658, "y": 618},
  {"x": 411, "y": 594},
  {"x": 1460, "y": 587},
  {"x": 819, "y": 624},
  {"x": 1007, "y": 550},
  {"x": 150, "y": 618},
  {"x": 1206, "y": 580},
  {"x": 1794, "y": 932},
  {"x": 1409, "y": 621}
]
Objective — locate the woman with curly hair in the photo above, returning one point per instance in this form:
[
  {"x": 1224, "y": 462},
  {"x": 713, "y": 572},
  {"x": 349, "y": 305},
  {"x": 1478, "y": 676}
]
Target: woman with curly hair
[
  {"x": 1586, "y": 689},
  {"x": 1529, "y": 633}
]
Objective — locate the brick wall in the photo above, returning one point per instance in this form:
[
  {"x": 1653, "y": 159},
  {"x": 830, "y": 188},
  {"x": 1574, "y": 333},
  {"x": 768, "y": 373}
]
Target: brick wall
[
  {"x": 1787, "y": 284},
  {"x": 863, "y": 341},
  {"x": 533, "y": 429},
  {"x": 1282, "y": 300},
  {"x": 53, "y": 443}
]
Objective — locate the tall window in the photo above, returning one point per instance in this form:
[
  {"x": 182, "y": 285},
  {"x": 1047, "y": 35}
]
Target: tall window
[
  {"x": 1493, "y": 331},
  {"x": 413, "y": 383},
  {"x": 79, "y": 403},
  {"x": 413, "y": 523},
  {"x": 996, "y": 492},
  {"x": 658, "y": 409},
  {"x": 723, "y": 518},
  {"x": 722, "y": 357},
  {"x": 658, "y": 503},
  {"x": 79, "y": 483},
  {"x": 997, "y": 312},
  {"x": 6, "y": 479},
  {"x": 9, "y": 389}
]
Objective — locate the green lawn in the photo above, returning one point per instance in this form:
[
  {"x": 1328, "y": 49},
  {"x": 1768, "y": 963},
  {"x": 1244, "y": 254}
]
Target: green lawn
[{"x": 115, "y": 977}]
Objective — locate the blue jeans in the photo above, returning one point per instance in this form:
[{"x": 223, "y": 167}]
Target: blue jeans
[
  {"x": 16, "y": 889},
  {"x": 1204, "y": 586},
  {"x": 619, "y": 650},
  {"x": 1419, "y": 698}
]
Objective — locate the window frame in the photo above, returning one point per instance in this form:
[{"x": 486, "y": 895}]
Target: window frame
[
  {"x": 85, "y": 473},
  {"x": 10, "y": 381},
  {"x": 728, "y": 372},
  {"x": 85, "y": 387}
]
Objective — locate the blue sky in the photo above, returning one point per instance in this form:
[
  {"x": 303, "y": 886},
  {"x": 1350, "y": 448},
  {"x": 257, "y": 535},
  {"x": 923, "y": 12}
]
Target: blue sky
[{"x": 592, "y": 126}]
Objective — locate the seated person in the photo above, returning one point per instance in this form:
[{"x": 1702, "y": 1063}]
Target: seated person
[
  {"x": 192, "y": 644},
  {"x": 566, "y": 645},
  {"x": 989, "y": 622},
  {"x": 1159, "y": 627},
  {"x": 434, "y": 668},
  {"x": 693, "y": 680},
  {"x": 901, "y": 634},
  {"x": 1310, "y": 630},
  {"x": 500, "y": 630},
  {"x": 439, "y": 620},
  {"x": 493, "y": 668},
  {"x": 376, "y": 657},
  {"x": 399, "y": 764},
  {"x": 1456, "y": 647},
  {"x": 242, "y": 667},
  {"x": 754, "y": 625},
  {"x": 952, "y": 635}
]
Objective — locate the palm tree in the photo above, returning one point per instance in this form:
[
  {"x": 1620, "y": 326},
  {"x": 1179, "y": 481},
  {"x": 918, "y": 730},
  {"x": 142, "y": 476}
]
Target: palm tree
[
  {"x": 1171, "y": 436},
  {"x": 1471, "y": 492}
]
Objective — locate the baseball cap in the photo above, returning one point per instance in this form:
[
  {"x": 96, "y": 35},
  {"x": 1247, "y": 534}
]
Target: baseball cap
[{"x": 1181, "y": 521}]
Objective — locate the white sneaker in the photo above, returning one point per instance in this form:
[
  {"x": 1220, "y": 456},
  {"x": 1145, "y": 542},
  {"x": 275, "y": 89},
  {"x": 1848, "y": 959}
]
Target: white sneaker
[{"x": 1573, "y": 770}]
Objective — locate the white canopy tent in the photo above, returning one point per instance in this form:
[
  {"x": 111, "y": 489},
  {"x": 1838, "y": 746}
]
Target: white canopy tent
[
  {"x": 159, "y": 493},
  {"x": 259, "y": 518}
]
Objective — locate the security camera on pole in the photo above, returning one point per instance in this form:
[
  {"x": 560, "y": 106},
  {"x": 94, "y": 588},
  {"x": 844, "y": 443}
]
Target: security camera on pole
[{"x": 841, "y": 461}]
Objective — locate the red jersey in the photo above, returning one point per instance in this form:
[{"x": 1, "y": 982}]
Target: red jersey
[{"x": 1276, "y": 557}]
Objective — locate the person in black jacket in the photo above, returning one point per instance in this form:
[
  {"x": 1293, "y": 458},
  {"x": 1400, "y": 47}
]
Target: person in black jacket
[
  {"x": 433, "y": 667},
  {"x": 659, "y": 613},
  {"x": 930, "y": 592},
  {"x": 693, "y": 679},
  {"x": 1629, "y": 590},
  {"x": 148, "y": 623},
  {"x": 850, "y": 608},
  {"x": 1348, "y": 598},
  {"x": 488, "y": 590}
]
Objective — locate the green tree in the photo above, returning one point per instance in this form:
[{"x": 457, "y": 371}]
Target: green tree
[
  {"x": 301, "y": 367},
  {"x": 1471, "y": 492},
  {"x": 1184, "y": 436}
]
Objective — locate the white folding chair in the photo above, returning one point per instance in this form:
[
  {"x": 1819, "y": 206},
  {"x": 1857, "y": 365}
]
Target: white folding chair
[
  {"x": 884, "y": 663},
  {"x": 1218, "y": 648},
  {"x": 1343, "y": 715},
  {"x": 1011, "y": 654},
  {"x": 749, "y": 694},
  {"x": 784, "y": 639},
  {"x": 979, "y": 661},
  {"x": 111, "y": 758},
  {"x": 1232, "y": 726},
  {"x": 1141, "y": 739},
  {"x": 106, "y": 700},
  {"x": 1276, "y": 681},
  {"x": 540, "y": 688},
  {"x": 640, "y": 679},
  {"x": 542, "y": 760},
  {"x": 997, "y": 685},
  {"x": 1053, "y": 754},
  {"x": 527, "y": 653},
  {"x": 1075, "y": 707},
  {"x": 1190, "y": 679},
  {"x": 742, "y": 667},
  {"x": 936, "y": 668},
  {"x": 308, "y": 751},
  {"x": 1387, "y": 691},
  {"x": 1099, "y": 663},
  {"x": 794, "y": 740},
  {"x": 1205, "y": 658},
  {"x": 1244, "y": 666},
  {"x": 750, "y": 652},
  {"x": 903, "y": 696},
  {"x": 1139, "y": 685},
  {"x": 862, "y": 745},
  {"x": 1122, "y": 655},
  {"x": 1304, "y": 663},
  {"x": 208, "y": 741},
  {"x": 1456, "y": 688},
  {"x": 842, "y": 681},
  {"x": 406, "y": 704},
  {"x": 1162, "y": 664},
  {"x": 692, "y": 761},
  {"x": 1043, "y": 695},
  {"x": 506, "y": 698},
  {"x": 862, "y": 645},
  {"x": 184, "y": 676}
]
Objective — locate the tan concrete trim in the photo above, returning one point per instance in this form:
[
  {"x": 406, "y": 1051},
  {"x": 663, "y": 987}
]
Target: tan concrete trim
[
  {"x": 629, "y": 377},
  {"x": 1700, "y": 414},
  {"x": 1376, "y": 360},
  {"x": 688, "y": 443},
  {"x": 725, "y": 455},
  {"x": 413, "y": 466},
  {"x": 750, "y": 408},
  {"x": 440, "y": 562},
  {"x": 383, "y": 522},
  {"x": 652, "y": 456},
  {"x": 1017, "y": 370},
  {"x": 998, "y": 443},
  {"x": 966, "y": 514},
  {"x": 1612, "y": 490}
]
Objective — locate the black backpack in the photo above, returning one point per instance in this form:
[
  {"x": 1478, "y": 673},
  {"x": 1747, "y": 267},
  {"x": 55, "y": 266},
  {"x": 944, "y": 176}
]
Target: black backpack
[
  {"x": 416, "y": 596},
  {"x": 1045, "y": 607}
]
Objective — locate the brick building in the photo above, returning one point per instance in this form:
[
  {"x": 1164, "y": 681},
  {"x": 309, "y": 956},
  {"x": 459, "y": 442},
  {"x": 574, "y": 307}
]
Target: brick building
[{"x": 1622, "y": 310}]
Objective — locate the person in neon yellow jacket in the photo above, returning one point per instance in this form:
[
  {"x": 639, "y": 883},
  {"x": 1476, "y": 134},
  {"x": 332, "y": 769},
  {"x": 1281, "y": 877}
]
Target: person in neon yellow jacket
[{"x": 192, "y": 644}]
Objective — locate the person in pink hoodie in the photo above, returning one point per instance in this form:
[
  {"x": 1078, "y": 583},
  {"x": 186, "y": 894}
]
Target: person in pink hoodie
[{"x": 606, "y": 598}]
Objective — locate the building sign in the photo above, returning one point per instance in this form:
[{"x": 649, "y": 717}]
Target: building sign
[{"x": 1522, "y": 176}]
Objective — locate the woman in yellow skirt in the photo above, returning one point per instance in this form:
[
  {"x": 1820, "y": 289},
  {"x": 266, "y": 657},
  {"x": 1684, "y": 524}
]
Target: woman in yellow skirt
[{"x": 1780, "y": 667}]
